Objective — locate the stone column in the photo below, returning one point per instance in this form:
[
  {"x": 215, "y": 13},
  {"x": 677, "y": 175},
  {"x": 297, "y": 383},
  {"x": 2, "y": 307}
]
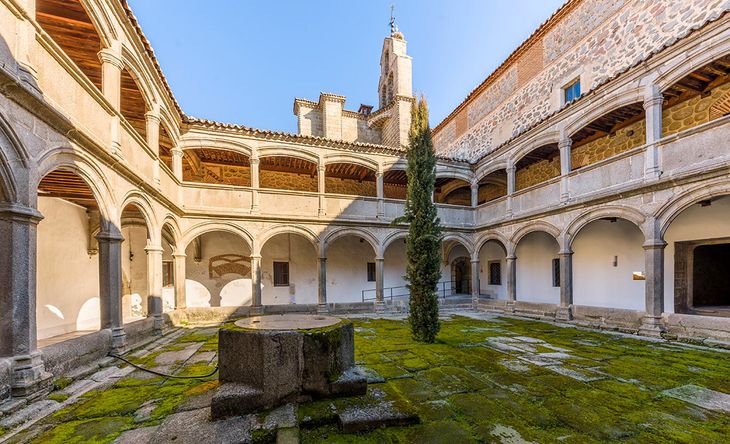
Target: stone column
[
  {"x": 321, "y": 188},
  {"x": 653, "y": 101},
  {"x": 154, "y": 284},
  {"x": 18, "y": 340},
  {"x": 256, "y": 307},
  {"x": 511, "y": 282},
  {"x": 180, "y": 276},
  {"x": 379, "y": 289},
  {"x": 565, "y": 309},
  {"x": 565, "y": 167},
  {"x": 651, "y": 324},
  {"x": 152, "y": 119},
  {"x": 511, "y": 182},
  {"x": 474, "y": 194},
  {"x": 177, "y": 167},
  {"x": 111, "y": 88},
  {"x": 322, "y": 286},
  {"x": 475, "y": 290},
  {"x": 380, "y": 187},
  {"x": 255, "y": 208},
  {"x": 110, "y": 286}
]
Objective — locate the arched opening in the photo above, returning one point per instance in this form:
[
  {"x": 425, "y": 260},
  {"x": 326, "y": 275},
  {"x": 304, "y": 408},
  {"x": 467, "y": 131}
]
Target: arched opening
[
  {"x": 350, "y": 268},
  {"x": 166, "y": 145},
  {"x": 133, "y": 105},
  {"x": 207, "y": 165},
  {"x": 461, "y": 275},
  {"x": 395, "y": 184},
  {"x": 608, "y": 265},
  {"x": 493, "y": 270},
  {"x": 288, "y": 173},
  {"x": 218, "y": 270},
  {"x": 452, "y": 191},
  {"x": 538, "y": 269},
  {"x": 169, "y": 243},
  {"x": 699, "y": 97},
  {"x": 67, "y": 261},
  {"x": 537, "y": 166},
  {"x": 455, "y": 269},
  {"x": 68, "y": 23},
  {"x": 350, "y": 178},
  {"x": 135, "y": 265},
  {"x": 697, "y": 259},
  {"x": 394, "y": 273},
  {"x": 289, "y": 270},
  {"x": 611, "y": 134},
  {"x": 492, "y": 186}
]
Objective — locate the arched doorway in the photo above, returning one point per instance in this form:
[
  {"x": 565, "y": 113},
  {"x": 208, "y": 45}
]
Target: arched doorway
[
  {"x": 493, "y": 270},
  {"x": 461, "y": 275}
]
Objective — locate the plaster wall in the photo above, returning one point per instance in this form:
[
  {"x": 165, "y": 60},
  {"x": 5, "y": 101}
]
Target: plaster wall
[
  {"x": 67, "y": 276},
  {"x": 226, "y": 290},
  {"x": 492, "y": 251},
  {"x": 694, "y": 223},
  {"x": 347, "y": 260},
  {"x": 596, "y": 281},
  {"x": 395, "y": 265},
  {"x": 302, "y": 258},
  {"x": 535, "y": 253},
  {"x": 134, "y": 273}
]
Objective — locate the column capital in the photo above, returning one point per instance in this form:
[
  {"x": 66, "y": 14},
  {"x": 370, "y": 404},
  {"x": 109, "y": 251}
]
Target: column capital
[
  {"x": 19, "y": 213},
  {"x": 150, "y": 249},
  {"x": 179, "y": 255},
  {"x": 254, "y": 160},
  {"x": 112, "y": 57},
  {"x": 565, "y": 142},
  {"x": 153, "y": 116},
  {"x": 379, "y": 259},
  {"x": 565, "y": 252},
  {"x": 653, "y": 244},
  {"x": 176, "y": 152},
  {"x": 110, "y": 237},
  {"x": 255, "y": 257},
  {"x": 511, "y": 257}
]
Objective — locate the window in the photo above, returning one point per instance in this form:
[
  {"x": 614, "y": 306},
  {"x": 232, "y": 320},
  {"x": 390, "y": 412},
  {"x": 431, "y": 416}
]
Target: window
[
  {"x": 168, "y": 273},
  {"x": 495, "y": 273},
  {"x": 571, "y": 91},
  {"x": 556, "y": 272},
  {"x": 281, "y": 274},
  {"x": 371, "y": 271}
]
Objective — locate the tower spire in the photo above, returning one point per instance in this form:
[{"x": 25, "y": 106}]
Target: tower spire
[{"x": 393, "y": 26}]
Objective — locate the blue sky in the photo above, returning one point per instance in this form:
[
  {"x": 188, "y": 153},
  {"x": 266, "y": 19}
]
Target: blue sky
[{"x": 245, "y": 61}]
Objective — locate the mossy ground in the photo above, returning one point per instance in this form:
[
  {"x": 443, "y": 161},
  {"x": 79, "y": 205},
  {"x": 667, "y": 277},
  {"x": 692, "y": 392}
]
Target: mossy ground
[{"x": 482, "y": 381}]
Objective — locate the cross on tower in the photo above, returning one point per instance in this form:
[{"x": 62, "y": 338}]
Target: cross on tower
[{"x": 393, "y": 27}]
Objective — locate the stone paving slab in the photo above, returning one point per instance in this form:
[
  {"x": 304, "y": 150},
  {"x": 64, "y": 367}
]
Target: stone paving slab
[
  {"x": 176, "y": 356},
  {"x": 701, "y": 396},
  {"x": 194, "y": 427}
]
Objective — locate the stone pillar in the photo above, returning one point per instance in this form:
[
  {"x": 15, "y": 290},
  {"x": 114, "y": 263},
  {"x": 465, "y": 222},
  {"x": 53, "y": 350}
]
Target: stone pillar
[
  {"x": 256, "y": 307},
  {"x": 380, "y": 187},
  {"x": 565, "y": 309},
  {"x": 179, "y": 278},
  {"x": 475, "y": 290},
  {"x": 511, "y": 282},
  {"x": 565, "y": 167},
  {"x": 255, "y": 208},
  {"x": 321, "y": 188},
  {"x": 474, "y": 194},
  {"x": 154, "y": 284},
  {"x": 111, "y": 88},
  {"x": 18, "y": 340},
  {"x": 511, "y": 182},
  {"x": 653, "y": 101},
  {"x": 110, "y": 286},
  {"x": 152, "y": 119},
  {"x": 177, "y": 167},
  {"x": 379, "y": 289},
  {"x": 322, "y": 286},
  {"x": 651, "y": 324}
]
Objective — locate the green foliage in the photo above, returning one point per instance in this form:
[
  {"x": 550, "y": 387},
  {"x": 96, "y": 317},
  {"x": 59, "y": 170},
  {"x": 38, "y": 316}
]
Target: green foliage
[{"x": 424, "y": 232}]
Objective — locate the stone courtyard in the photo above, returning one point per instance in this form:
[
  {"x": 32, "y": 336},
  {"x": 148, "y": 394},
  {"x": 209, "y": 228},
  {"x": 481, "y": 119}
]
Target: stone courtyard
[{"x": 489, "y": 378}]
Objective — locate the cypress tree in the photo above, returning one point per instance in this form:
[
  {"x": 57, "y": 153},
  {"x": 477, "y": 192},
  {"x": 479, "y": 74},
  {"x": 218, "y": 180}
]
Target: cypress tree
[{"x": 423, "y": 244}]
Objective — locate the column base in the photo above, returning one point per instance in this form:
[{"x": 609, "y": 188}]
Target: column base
[
  {"x": 119, "y": 340},
  {"x": 29, "y": 376},
  {"x": 323, "y": 308},
  {"x": 379, "y": 307},
  {"x": 510, "y": 307},
  {"x": 475, "y": 302},
  {"x": 256, "y": 310},
  {"x": 158, "y": 323},
  {"x": 564, "y": 313},
  {"x": 652, "y": 326}
]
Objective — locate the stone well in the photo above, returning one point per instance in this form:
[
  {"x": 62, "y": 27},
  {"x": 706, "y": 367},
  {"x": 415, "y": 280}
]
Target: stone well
[{"x": 265, "y": 361}]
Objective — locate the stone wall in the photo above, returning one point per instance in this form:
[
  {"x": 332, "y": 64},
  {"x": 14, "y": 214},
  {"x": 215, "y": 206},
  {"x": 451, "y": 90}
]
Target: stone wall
[
  {"x": 624, "y": 139},
  {"x": 537, "y": 172},
  {"x": 491, "y": 191},
  {"x": 335, "y": 185},
  {"x": 692, "y": 112},
  {"x": 597, "y": 39}
]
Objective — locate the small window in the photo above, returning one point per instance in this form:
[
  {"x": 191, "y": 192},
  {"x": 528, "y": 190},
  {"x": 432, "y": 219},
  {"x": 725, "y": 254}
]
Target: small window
[
  {"x": 281, "y": 274},
  {"x": 495, "y": 273},
  {"x": 571, "y": 91},
  {"x": 168, "y": 274},
  {"x": 556, "y": 272},
  {"x": 371, "y": 271}
]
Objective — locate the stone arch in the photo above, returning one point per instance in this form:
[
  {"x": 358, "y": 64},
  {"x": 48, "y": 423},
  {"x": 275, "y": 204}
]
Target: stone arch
[
  {"x": 450, "y": 173},
  {"x": 65, "y": 157},
  {"x": 607, "y": 105},
  {"x": 489, "y": 168},
  {"x": 459, "y": 239},
  {"x": 287, "y": 229},
  {"x": 392, "y": 237},
  {"x": 274, "y": 151},
  {"x": 226, "y": 145},
  {"x": 351, "y": 158},
  {"x": 143, "y": 203},
  {"x": 206, "y": 227},
  {"x": 531, "y": 228},
  {"x": 711, "y": 49},
  {"x": 500, "y": 239},
  {"x": 667, "y": 213},
  {"x": 135, "y": 68},
  {"x": 102, "y": 22},
  {"x": 629, "y": 214},
  {"x": 170, "y": 221},
  {"x": 12, "y": 157},
  {"x": 351, "y": 231}
]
